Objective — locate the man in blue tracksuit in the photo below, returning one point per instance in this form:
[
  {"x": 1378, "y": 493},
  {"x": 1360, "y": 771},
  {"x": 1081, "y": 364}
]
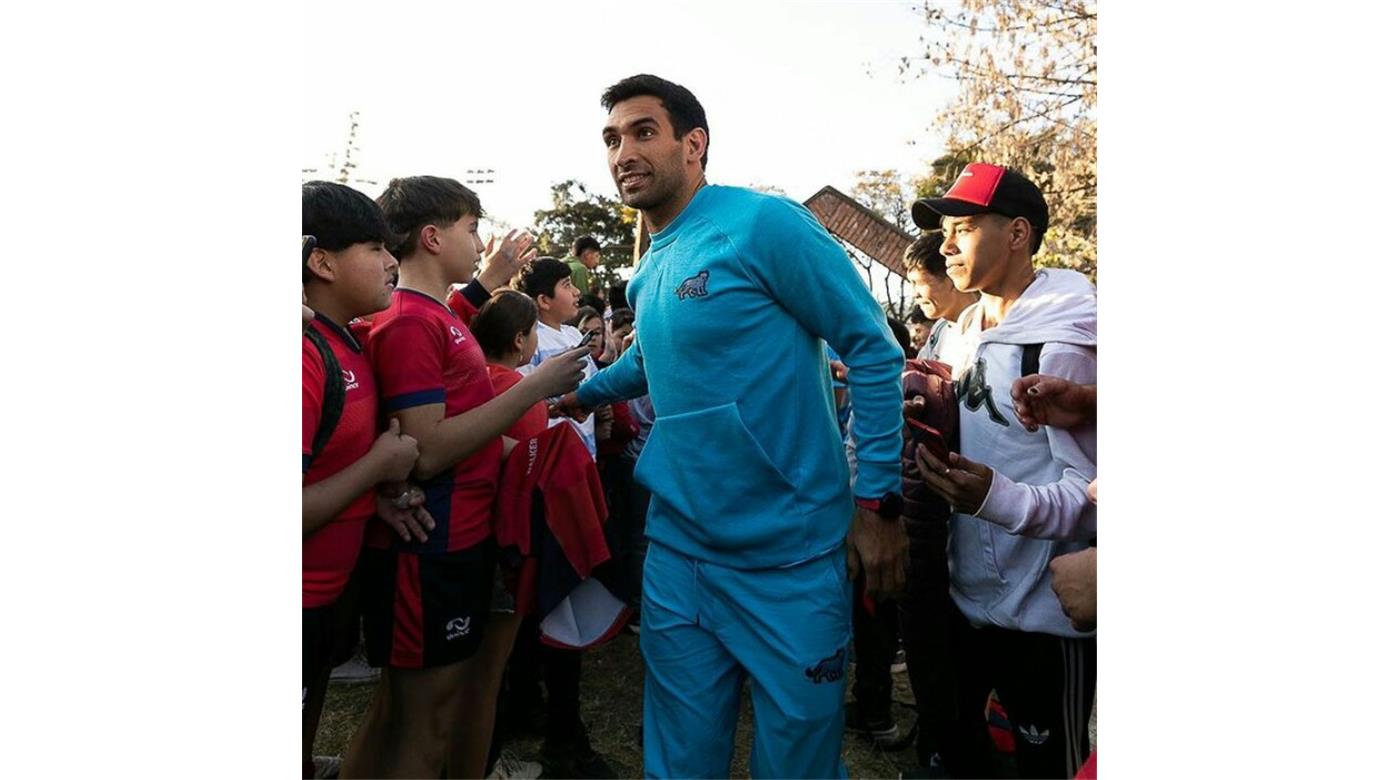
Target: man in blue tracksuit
[{"x": 754, "y": 531}]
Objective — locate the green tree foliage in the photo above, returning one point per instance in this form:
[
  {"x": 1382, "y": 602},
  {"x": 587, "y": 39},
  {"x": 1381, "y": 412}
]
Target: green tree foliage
[{"x": 577, "y": 212}]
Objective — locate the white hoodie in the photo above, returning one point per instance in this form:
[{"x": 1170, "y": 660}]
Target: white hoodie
[{"x": 1037, "y": 507}]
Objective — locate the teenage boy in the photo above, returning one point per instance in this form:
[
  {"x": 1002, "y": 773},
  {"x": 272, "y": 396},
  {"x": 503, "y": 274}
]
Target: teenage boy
[
  {"x": 426, "y": 600},
  {"x": 583, "y": 258},
  {"x": 938, "y": 299},
  {"x": 550, "y": 285},
  {"x": 346, "y": 272},
  {"x": 1019, "y": 496},
  {"x": 746, "y": 576}
]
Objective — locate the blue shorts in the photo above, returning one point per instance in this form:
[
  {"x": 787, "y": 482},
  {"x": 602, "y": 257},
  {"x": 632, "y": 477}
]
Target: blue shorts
[{"x": 706, "y": 627}]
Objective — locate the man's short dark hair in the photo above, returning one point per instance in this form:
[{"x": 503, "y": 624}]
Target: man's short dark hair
[
  {"x": 539, "y": 276},
  {"x": 922, "y": 255},
  {"x": 684, "y": 111},
  {"x": 339, "y": 216},
  {"x": 413, "y": 202},
  {"x": 583, "y": 244}
]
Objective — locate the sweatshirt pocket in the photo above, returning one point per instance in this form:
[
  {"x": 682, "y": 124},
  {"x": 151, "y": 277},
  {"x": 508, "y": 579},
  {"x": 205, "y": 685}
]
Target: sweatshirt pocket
[{"x": 707, "y": 468}]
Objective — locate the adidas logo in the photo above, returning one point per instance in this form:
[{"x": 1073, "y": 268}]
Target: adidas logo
[{"x": 1035, "y": 736}]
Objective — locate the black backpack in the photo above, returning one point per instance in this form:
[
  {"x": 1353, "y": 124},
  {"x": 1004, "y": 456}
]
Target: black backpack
[{"x": 332, "y": 399}]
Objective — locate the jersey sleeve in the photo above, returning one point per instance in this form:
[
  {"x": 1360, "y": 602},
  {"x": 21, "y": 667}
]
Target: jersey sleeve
[
  {"x": 408, "y": 363},
  {"x": 465, "y": 308},
  {"x": 313, "y": 390},
  {"x": 803, "y": 268}
]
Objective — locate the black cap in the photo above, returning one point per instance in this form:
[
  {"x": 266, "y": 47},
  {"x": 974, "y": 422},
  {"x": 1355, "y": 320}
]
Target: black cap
[{"x": 985, "y": 189}]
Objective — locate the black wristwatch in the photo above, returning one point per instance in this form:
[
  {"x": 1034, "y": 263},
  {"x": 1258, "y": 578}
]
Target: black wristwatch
[{"x": 887, "y": 507}]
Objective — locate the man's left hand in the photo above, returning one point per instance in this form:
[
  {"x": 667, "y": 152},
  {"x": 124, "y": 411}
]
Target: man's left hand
[
  {"x": 881, "y": 548},
  {"x": 961, "y": 482}
]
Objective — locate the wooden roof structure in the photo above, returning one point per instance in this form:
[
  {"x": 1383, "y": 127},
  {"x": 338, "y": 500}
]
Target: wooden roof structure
[{"x": 860, "y": 227}]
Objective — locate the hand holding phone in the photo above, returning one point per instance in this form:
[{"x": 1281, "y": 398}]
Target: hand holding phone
[{"x": 587, "y": 338}]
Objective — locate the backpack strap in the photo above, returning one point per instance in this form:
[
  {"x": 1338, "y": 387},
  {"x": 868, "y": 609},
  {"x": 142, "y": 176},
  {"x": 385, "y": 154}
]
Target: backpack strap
[
  {"x": 1030, "y": 359},
  {"x": 333, "y": 397}
]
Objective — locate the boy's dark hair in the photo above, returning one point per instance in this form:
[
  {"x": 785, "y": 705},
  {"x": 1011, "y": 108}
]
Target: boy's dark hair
[
  {"x": 412, "y": 202},
  {"x": 585, "y": 313},
  {"x": 506, "y": 315},
  {"x": 917, "y": 316},
  {"x": 617, "y": 296},
  {"x": 922, "y": 255},
  {"x": 583, "y": 244},
  {"x": 539, "y": 276},
  {"x": 901, "y": 334},
  {"x": 591, "y": 301},
  {"x": 339, "y": 217},
  {"x": 622, "y": 317},
  {"x": 684, "y": 111}
]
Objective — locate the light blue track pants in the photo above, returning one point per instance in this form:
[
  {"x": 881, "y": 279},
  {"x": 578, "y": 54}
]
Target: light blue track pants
[{"x": 705, "y": 627}]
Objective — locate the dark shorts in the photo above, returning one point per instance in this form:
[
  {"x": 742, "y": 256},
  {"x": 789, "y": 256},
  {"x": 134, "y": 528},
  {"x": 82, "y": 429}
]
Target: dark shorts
[{"x": 430, "y": 610}]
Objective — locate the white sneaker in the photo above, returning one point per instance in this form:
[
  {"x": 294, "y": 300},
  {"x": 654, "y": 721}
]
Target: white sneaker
[
  {"x": 899, "y": 664},
  {"x": 326, "y": 766},
  {"x": 356, "y": 670},
  {"x": 510, "y": 767}
]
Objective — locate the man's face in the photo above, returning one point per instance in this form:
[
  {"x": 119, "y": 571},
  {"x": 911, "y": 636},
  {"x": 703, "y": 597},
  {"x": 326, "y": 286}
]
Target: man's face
[
  {"x": 936, "y": 295},
  {"x": 976, "y": 250},
  {"x": 366, "y": 272},
  {"x": 462, "y": 248},
  {"x": 918, "y": 331},
  {"x": 646, "y": 160},
  {"x": 590, "y": 258}
]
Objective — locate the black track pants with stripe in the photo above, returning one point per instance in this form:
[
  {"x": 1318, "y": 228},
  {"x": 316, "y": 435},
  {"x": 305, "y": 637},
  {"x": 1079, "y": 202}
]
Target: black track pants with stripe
[{"x": 1046, "y": 685}]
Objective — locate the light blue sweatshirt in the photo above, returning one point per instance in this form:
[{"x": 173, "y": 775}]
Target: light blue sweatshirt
[{"x": 733, "y": 301}]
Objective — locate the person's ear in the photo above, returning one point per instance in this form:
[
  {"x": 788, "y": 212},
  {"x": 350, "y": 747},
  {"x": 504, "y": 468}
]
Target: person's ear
[
  {"x": 542, "y": 302},
  {"x": 696, "y": 142},
  {"x": 520, "y": 341},
  {"x": 320, "y": 265},
  {"x": 430, "y": 238},
  {"x": 1020, "y": 230}
]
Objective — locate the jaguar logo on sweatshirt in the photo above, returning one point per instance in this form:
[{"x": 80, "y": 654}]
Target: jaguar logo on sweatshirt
[
  {"x": 694, "y": 287},
  {"x": 974, "y": 391}
]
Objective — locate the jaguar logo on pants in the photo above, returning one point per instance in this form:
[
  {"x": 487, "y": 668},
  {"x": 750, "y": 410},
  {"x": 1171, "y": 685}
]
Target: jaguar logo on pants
[{"x": 829, "y": 669}]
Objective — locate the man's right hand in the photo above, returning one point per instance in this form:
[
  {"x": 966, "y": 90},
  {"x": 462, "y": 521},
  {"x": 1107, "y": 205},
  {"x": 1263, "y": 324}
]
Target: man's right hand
[
  {"x": 1049, "y": 400},
  {"x": 396, "y": 453},
  {"x": 560, "y": 374},
  {"x": 568, "y": 406}
]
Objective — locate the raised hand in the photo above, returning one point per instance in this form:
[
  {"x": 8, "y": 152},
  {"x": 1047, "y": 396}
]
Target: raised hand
[{"x": 504, "y": 258}]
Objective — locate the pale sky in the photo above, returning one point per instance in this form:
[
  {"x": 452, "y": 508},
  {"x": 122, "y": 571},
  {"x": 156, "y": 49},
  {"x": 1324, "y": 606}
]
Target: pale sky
[{"x": 801, "y": 95}]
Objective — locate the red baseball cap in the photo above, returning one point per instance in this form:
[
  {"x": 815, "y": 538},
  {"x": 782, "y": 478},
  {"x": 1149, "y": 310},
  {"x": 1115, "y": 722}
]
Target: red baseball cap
[{"x": 982, "y": 188}]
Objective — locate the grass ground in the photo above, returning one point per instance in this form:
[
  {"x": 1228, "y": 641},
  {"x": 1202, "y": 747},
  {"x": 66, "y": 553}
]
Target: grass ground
[{"x": 611, "y": 704}]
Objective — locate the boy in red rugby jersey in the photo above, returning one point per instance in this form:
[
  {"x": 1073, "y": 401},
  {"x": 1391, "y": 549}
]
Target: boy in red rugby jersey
[
  {"x": 346, "y": 272},
  {"x": 427, "y": 601}
]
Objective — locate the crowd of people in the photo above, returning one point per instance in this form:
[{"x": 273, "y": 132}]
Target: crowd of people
[{"x": 738, "y": 457}]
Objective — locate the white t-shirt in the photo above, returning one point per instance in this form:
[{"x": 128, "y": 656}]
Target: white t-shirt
[{"x": 553, "y": 341}]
